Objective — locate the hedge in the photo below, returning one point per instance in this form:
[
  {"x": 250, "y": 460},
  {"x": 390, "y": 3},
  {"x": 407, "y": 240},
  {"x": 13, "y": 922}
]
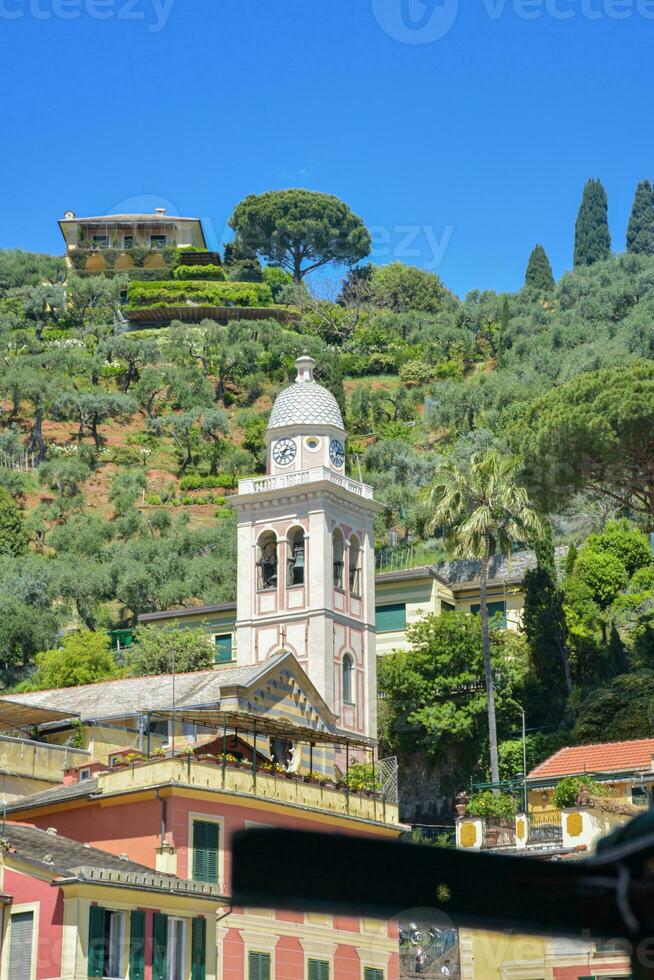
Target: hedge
[
  {"x": 196, "y": 481},
  {"x": 209, "y": 293},
  {"x": 186, "y": 272}
]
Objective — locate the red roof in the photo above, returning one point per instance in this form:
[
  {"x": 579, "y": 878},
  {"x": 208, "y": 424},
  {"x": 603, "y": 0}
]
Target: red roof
[{"x": 604, "y": 757}]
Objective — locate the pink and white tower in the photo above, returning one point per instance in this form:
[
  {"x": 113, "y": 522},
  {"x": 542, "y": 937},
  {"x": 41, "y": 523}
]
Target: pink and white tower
[{"x": 306, "y": 564}]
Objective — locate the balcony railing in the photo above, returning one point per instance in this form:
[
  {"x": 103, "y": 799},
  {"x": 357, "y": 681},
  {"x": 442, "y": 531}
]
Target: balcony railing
[
  {"x": 317, "y": 474},
  {"x": 292, "y": 789},
  {"x": 498, "y": 832},
  {"x": 545, "y": 827}
]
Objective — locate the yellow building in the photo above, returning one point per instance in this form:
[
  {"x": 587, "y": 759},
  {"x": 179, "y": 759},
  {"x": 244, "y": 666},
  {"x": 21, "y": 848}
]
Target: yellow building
[
  {"x": 626, "y": 772},
  {"x": 401, "y": 599}
]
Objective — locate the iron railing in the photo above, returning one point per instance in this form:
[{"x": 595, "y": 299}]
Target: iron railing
[
  {"x": 545, "y": 827},
  {"x": 498, "y": 832}
]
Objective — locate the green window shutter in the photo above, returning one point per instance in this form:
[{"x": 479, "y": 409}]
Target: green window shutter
[
  {"x": 318, "y": 970},
  {"x": 390, "y": 619},
  {"x": 224, "y": 649},
  {"x": 97, "y": 942},
  {"x": 259, "y": 966},
  {"x": 198, "y": 948},
  {"x": 137, "y": 945},
  {"x": 493, "y": 609},
  {"x": 372, "y": 973},
  {"x": 159, "y": 946},
  {"x": 205, "y": 851}
]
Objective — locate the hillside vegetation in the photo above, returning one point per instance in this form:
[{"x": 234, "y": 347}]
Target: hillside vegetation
[{"x": 119, "y": 452}]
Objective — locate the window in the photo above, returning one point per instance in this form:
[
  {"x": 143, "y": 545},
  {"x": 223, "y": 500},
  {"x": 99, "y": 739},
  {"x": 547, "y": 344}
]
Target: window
[
  {"x": 128, "y": 241},
  {"x": 160, "y": 727},
  {"x": 158, "y": 241},
  {"x": 20, "y": 945},
  {"x": 447, "y": 606},
  {"x": 318, "y": 970},
  {"x": 295, "y": 560},
  {"x": 267, "y": 562},
  {"x": 84, "y": 774},
  {"x": 163, "y": 727},
  {"x": 348, "y": 678},
  {"x": 355, "y": 566},
  {"x": 258, "y": 966},
  {"x": 640, "y": 796},
  {"x": 100, "y": 241},
  {"x": 176, "y": 951},
  {"x": 391, "y": 619},
  {"x": 494, "y": 609},
  {"x": 205, "y": 851},
  {"x": 106, "y": 938},
  {"x": 169, "y": 960},
  {"x": 224, "y": 648},
  {"x": 372, "y": 973},
  {"x": 338, "y": 549}
]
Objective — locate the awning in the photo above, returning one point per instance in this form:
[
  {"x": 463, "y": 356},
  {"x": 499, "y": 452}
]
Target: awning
[
  {"x": 250, "y": 724},
  {"x": 15, "y": 714}
]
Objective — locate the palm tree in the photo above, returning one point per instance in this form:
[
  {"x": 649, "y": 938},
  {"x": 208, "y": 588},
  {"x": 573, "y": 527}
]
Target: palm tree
[{"x": 484, "y": 512}]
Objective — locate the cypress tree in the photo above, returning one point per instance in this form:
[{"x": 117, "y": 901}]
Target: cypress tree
[
  {"x": 640, "y": 230},
  {"x": 592, "y": 236},
  {"x": 546, "y": 631},
  {"x": 539, "y": 271}
]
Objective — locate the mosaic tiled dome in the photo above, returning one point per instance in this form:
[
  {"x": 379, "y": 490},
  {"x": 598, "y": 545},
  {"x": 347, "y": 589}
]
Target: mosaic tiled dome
[{"x": 305, "y": 402}]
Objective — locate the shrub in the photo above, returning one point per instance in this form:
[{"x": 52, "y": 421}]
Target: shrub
[
  {"x": 211, "y": 293},
  {"x": 603, "y": 573},
  {"x": 362, "y": 776},
  {"x": 489, "y": 804},
  {"x": 156, "y": 649},
  {"x": 196, "y": 481},
  {"x": 567, "y": 790},
  {"x": 212, "y": 272},
  {"x": 154, "y": 500},
  {"x": 624, "y": 542}
]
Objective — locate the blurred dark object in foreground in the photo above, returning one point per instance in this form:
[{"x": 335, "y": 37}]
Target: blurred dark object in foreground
[{"x": 609, "y": 895}]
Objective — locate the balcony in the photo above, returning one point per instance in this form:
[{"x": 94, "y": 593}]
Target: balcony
[
  {"x": 317, "y": 474},
  {"x": 290, "y": 789}
]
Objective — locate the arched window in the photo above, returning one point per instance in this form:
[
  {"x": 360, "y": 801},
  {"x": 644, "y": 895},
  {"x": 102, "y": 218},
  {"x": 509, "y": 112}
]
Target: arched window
[
  {"x": 355, "y": 566},
  {"x": 295, "y": 557},
  {"x": 338, "y": 549},
  {"x": 267, "y": 561},
  {"x": 348, "y": 679}
]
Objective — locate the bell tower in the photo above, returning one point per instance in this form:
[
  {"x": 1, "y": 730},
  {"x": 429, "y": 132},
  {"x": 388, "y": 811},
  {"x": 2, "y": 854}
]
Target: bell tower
[{"x": 306, "y": 565}]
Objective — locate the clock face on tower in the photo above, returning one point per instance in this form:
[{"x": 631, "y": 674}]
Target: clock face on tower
[
  {"x": 284, "y": 452},
  {"x": 336, "y": 452}
]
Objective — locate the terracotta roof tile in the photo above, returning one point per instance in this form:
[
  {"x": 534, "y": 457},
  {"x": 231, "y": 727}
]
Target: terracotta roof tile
[{"x": 599, "y": 758}]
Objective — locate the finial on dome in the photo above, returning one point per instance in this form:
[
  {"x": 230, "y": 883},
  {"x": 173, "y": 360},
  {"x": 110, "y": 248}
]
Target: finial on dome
[{"x": 305, "y": 366}]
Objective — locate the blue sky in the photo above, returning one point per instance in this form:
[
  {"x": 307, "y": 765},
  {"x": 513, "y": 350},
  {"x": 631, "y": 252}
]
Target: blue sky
[{"x": 460, "y": 151}]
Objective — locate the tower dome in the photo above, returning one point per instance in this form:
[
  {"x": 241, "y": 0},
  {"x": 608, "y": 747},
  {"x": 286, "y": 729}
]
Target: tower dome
[{"x": 305, "y": 402}]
